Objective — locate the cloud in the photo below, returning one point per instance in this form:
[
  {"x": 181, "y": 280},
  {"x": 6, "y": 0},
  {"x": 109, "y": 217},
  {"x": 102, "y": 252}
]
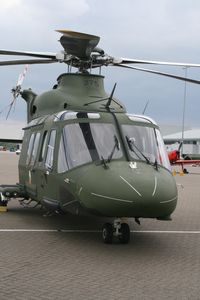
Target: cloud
[
  {"x": 7, "y": 5},
  {"x": 33, "y": 21},
  {"x": 44, "y": 8}
]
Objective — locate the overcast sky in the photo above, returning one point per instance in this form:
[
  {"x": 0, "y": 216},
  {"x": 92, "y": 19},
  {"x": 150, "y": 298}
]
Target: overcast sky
[{"x": 167, "y": 30}]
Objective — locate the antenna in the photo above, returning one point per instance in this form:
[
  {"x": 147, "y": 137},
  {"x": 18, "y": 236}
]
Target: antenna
[
  {"x": 147, "y": 103},
  {"x": 111, "y": 96}
]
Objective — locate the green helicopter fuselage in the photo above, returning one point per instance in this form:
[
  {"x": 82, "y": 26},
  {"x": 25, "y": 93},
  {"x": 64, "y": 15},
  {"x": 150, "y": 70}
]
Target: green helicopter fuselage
[{"x": 83, "y": 153}]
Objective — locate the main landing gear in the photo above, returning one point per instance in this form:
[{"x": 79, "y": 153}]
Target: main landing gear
[{"x": 118, "y": 229}]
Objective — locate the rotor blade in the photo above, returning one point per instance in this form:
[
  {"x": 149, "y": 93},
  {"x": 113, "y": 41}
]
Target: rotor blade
[
  {"x": 7, "y": 106},
  {"x": 10, "y": 106},
  {"x": 27, "y": 61},
  {"x": 22, "y": 76},
  {"x": 77, "y": 43},
  {"x": 161, "y": 73},
  {"x": 27, "y": 53},
  {"x": 153, "y": 62}
]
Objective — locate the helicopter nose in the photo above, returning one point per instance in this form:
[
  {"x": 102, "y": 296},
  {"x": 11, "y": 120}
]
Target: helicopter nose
[{"x": 123, "y": 191}]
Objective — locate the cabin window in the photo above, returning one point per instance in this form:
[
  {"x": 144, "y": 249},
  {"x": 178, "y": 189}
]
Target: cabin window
[
  {"x": 35, "y": 148},
  {"x": 30, "y": 148},
  {"x": 82, "y": 143},
  {"x": 50, "y": 150},
  {"x": 43, "y": 147}
]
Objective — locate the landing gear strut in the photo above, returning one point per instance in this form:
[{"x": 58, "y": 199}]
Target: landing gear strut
[{"x": 118, "y": 229}]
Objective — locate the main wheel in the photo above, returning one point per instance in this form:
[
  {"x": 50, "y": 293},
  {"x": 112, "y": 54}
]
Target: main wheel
[
  {"x": 124, "y": 237},
  {"x": 107, "y": 233}
]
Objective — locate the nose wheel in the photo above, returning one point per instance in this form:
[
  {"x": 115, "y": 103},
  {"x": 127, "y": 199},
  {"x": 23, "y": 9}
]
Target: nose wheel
[
  {"x": 117, "y": 229},
  {"x": 124, "y": 235}
]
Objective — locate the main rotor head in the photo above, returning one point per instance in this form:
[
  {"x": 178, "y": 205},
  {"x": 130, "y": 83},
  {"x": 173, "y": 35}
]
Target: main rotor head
[
  {"x": 80, "y": 50},
  {"x": 78, "y": 44}
]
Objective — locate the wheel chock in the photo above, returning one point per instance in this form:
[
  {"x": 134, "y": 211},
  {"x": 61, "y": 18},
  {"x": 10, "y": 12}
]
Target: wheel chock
[
  {"x": 3, "y": 209},
  {"x": 3, "y": 206}
]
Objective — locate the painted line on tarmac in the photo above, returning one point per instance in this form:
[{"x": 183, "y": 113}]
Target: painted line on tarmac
[
  {"x": 48, "y": 230},
  {"x": 168, "y": 231},
  {"x": 98, "y": 231}
]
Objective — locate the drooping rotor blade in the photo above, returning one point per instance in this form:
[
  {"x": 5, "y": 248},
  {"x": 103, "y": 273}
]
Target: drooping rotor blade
[
  {"x": 152, "y": 62},
  {"x": 27, "y": 53},
  {"x": 160, "y": 73},
  {"x": 78, "y": 44},
  {"x": 22, "y": 76},
  {"x": 27, "y": 61},
  {"x": 10, "y": 106}
]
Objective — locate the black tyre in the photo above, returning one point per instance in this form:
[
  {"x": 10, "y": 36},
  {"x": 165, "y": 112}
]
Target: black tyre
[
  {"x": 124, "y": 238},
  {"x": 107, "y": 233}
]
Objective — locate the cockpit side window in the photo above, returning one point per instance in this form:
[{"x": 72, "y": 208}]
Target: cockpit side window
[
  {"x": 164, "y": 160},
  {"x": 35, "y": 148},
  {"x": 50, "y": 150},
  {"x": 62, "y": 155}
]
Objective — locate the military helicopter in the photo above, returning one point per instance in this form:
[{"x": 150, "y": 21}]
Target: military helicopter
[{"x": 82, "y": 152}]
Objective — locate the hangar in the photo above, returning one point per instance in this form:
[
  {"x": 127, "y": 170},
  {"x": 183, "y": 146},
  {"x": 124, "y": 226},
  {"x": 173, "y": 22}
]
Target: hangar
[
  {"x": 11, "y": 133},
  {"x": 191, "y": 144}
]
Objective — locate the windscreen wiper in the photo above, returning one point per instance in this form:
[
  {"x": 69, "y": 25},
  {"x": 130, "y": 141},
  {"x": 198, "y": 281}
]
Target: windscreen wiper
[
  {"x": 103, "y": 161},
  {"x": 116, "y": 146},
  {"x": 135, "y": 149}
]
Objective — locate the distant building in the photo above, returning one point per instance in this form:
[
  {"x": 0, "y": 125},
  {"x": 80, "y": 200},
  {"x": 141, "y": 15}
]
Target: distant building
[
  {"x": 11, "y": 134},
  {"x": 191, "y": 145}
]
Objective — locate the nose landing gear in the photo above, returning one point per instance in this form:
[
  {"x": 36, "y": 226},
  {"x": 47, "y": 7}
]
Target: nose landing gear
[{"x": 118, "y": 229}]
